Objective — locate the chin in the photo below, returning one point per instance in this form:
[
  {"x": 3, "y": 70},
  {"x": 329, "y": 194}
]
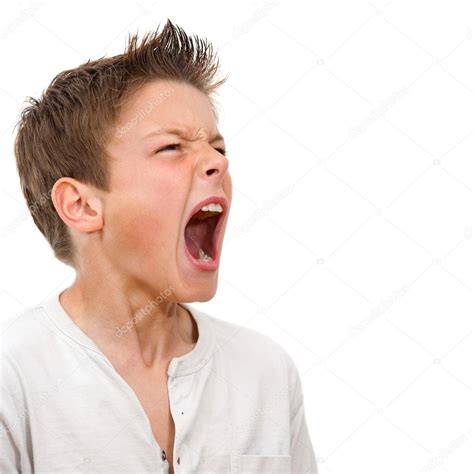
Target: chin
[{"x": 197, "y": 292}]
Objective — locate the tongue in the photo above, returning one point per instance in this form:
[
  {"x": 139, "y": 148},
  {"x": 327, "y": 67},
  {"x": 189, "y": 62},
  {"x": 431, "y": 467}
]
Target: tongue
[{"x": 198, "y": 234}]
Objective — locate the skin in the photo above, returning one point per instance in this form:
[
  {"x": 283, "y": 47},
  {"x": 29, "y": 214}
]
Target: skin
[{"x": 129, "y": 241}]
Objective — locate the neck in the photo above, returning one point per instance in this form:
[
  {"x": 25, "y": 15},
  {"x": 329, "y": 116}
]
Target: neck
[{"x": 131, "y": 324}]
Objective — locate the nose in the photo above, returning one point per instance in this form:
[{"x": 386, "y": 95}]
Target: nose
[{"x": 214, "y": 164}]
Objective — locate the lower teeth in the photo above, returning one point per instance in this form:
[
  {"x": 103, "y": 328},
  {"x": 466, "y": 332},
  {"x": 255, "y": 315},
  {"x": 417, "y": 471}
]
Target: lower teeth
[{"x": 203, "y": 256}]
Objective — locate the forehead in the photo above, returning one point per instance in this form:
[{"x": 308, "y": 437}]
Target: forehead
[{"x": 167, "y": 105}]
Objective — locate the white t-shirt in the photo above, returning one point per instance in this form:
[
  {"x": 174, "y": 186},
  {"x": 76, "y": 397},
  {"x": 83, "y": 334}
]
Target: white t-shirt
[{"x": 236, "y": 401}]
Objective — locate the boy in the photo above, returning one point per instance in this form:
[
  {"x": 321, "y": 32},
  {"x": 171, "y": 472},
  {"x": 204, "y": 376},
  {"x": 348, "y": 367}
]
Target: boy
[{"x": 118, "y": 373}]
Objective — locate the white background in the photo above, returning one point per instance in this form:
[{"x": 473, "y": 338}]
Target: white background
[{"x": 350, "y": 134}]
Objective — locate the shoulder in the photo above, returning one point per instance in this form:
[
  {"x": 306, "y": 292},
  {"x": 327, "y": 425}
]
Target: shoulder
[
  {"x": 251, "y": 359},
  {"x": 27, "y": 340},
  {"x": 22, "y": 330},
  {"x": 243, "y": 339},
  {"x": 255, "y": 350}
]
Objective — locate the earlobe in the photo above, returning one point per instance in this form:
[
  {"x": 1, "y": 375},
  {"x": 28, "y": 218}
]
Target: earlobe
[{"x": 76, "y": 206}]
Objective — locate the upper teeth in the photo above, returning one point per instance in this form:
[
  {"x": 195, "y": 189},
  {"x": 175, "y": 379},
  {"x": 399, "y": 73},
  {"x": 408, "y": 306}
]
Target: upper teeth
[{"x": 214, "y": 207}]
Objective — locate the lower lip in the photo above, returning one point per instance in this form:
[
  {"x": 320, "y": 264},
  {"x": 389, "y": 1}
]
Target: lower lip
[{"x": 210, "y": 265}]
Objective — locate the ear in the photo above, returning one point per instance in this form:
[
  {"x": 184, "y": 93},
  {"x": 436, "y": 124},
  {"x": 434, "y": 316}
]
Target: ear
[{"x": 78, "y": 205}]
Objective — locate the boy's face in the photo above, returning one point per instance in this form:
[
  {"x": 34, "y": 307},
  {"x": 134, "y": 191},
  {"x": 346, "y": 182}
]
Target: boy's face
[{"x": 157, "y": 179}]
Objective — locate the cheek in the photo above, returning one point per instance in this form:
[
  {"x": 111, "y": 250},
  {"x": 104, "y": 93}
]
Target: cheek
[
  {"x": 158, "y": 202},
  {"x": 142, "y": 237},
  {"x": 146, "y": 210},
  {"x": 146, "y": 222}
]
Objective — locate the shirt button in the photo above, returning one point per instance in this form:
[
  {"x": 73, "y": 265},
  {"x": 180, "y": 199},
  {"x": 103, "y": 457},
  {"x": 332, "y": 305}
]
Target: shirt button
[
  {"x": 163, "y": 455},
  {"x": 178, "y": 460}
]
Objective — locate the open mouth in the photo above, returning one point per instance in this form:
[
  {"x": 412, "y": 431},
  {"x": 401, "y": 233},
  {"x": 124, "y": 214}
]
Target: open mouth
[{"x": 200, "y": 234}]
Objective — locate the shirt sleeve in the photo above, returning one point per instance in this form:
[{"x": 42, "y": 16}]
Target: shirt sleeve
[{"x": 303, "y": 459}]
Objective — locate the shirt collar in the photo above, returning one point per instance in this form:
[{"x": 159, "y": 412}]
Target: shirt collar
[{"x": 186, "y": 364}]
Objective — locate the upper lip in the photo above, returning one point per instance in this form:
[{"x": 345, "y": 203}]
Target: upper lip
[{"x": 217, "y": 199}]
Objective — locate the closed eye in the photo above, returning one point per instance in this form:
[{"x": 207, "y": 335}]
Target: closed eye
[
  {"x": 171, "y": 147},
  {"x": 176, "y": 146}
]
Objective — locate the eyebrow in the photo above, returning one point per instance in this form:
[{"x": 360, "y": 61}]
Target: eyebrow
[{"x": 181, "y": 133}]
